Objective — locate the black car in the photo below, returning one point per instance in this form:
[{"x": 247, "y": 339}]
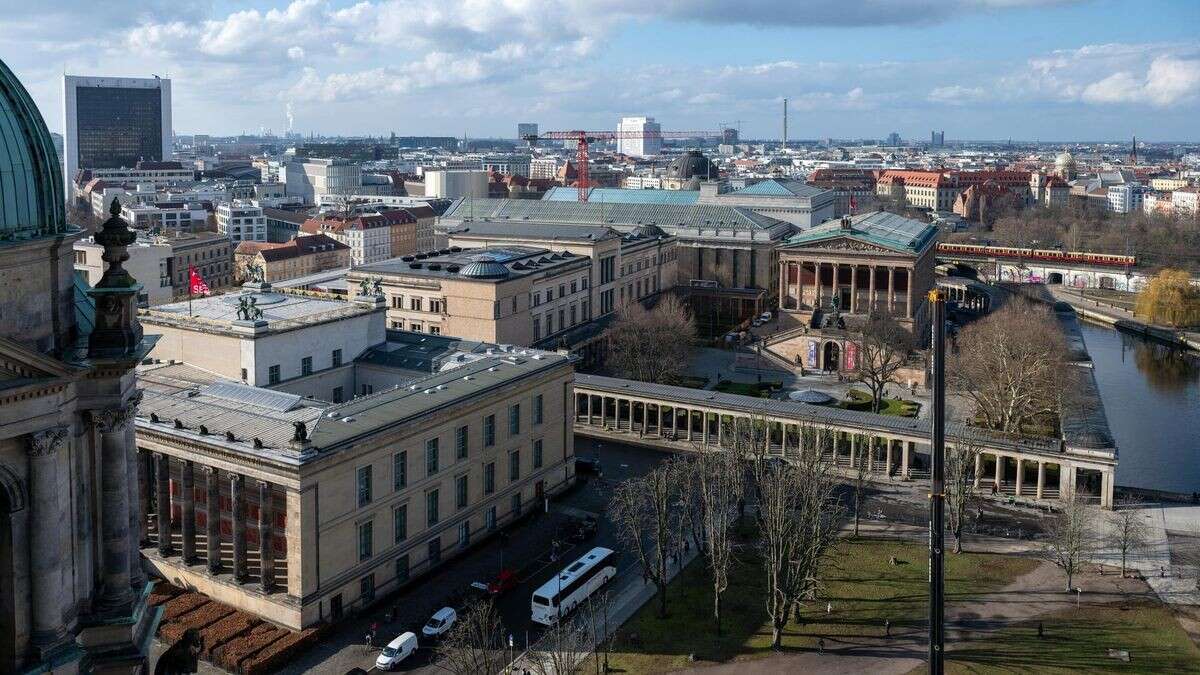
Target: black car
[{"x": 588, "y": 465}]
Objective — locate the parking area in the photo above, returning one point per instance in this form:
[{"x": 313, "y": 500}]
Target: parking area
[{"x": 529, "y": 550}]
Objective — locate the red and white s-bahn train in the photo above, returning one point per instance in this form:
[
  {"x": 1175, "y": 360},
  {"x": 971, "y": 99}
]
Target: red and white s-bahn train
[{"x": 1039, "y": 254}]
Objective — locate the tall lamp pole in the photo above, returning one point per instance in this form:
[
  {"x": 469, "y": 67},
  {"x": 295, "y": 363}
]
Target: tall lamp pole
[{"x": 937, "y": 497}]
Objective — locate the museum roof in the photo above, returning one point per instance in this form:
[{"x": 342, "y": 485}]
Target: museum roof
[
  {"x": 535, "y": 230},
  {"x": 623, "y": 195},
  {"x": 877, "y": 227},
  {"x": 774, "y": 187},
  {"x": 281, "y": 310},
  {"x": 667, "y": 216},
  {"x": 491, "y": 264}
]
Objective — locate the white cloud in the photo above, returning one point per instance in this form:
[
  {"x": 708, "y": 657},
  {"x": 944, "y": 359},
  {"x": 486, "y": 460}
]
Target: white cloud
[
  {"x": 1153, "y": 74},
  {"x": 295, "y": 52},
  {"x": 956, "y": 95}
]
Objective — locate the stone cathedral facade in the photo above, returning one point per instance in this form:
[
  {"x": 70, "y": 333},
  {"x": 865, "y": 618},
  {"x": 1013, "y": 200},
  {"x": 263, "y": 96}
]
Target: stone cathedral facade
[{"x": 73, "y": 596}]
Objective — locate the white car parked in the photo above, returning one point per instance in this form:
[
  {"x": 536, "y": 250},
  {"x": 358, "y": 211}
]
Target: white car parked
[
  {"x": 396, "y": 651},
  {"x": 440, "y": 622}
]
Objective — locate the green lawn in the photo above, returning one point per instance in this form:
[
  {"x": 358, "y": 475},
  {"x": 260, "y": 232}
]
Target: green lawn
[
  {"x": 756, "y": 389},
  {"x": 861, "y": 400},
  {"x": 864, "y": 588},
  {"x": 1077, "y": 641}
]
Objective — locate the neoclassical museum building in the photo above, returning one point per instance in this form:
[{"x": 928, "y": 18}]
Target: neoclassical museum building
[
  {"x": 73, "y": 597},
  {"x": 833, "y": 276}
]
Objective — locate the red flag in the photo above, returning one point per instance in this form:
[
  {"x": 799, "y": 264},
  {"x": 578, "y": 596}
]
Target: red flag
[
  {"x": 196, "y": 285},
  {"x": 853, "y": 204}
]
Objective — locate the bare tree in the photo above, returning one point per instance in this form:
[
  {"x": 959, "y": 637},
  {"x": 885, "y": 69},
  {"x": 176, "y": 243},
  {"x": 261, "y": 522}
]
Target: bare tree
[
  {"x": 1068, "y": 536},
  {"x": 798, "y": 517},
  {"x": 858, "y": 480},
  {"x": 884, "y": 350},
  {"x": 1012, "y": 366},
  {"x": 561, "y": 649},
  {"x": 646, "y": 512},
  {"x": 960, "y": 487},
  {"x": 475, "y": 644},
  {"x": 651, "y": 345},
  {"x": 717, "y": 484},
  {"x": 1129, "y": 531}
]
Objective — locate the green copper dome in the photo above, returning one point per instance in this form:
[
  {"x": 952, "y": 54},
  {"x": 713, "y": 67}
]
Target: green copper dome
[{"x": 31, "y": 189}]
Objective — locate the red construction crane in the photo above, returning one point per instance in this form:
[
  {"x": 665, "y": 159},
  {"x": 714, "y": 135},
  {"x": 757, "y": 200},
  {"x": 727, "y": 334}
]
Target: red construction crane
[{"x": 583, "y": 138}]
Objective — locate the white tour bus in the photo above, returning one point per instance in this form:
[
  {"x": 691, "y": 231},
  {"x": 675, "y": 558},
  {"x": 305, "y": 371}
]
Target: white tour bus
[{"x": 570, "y": 587}]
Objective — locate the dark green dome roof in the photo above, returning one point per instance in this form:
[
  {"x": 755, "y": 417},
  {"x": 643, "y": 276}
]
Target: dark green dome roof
[{"x": 31, "y": 183}]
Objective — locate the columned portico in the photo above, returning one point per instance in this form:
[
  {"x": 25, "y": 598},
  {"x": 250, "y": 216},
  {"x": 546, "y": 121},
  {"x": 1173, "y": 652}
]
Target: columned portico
[
  {"x": 47, "y": 543},
  {"x": 117, "y": 595}
]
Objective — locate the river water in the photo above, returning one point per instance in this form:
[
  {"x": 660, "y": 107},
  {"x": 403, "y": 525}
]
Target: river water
[{"x": 1151, "y": 395}]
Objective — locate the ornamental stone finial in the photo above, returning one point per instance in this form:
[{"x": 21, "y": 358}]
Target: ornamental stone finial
[
  {"x": 47, "y": 442},
  {"x": 117, "y": 333}
]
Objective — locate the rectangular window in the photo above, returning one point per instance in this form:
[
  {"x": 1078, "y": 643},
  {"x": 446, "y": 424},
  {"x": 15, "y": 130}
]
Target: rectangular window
[
  {"x": 562, "y": 290},
  {"x": 574, "y": 286},
  {"x": 400, "y": 522},
  {"x": 364, "y": 485},
  {"x": 583, "y": 283},
  {"x": 537, "y": 409},
  {"x": 549, "y": 294},
  {"x": 464, "y": 534},
  {"x": 562, "y": 319},
  {"x": 537, "y": 454},
  {"x": 431, "y": 508},
  {"x": 435, "y": 551},
  {"x": 402, "y": 568},
  {"x": 514, "y": 466},
  {"x": 306, "y": 366},
  {"x": 365, "y": 540},
  {"x": 537, "y": 298},
  {"x": 514, "y": 419},
  {"x": 460, "y": 492},
  {"x": 273, "y": 375},
  {"x": 366, "y": 588},
  {"x": 431, "y": 456},
  {"x": 460, "y": 442},
  {"x": 414, "y": 304},
  {"x": 489, "y": 478},
  {"x": 549, "y": 323},
  {"x": 489, "y": 431},
  {"x": 573, "y": 318},
  {"x": 489, "y": 518},
  {"x": 400, "y": 470},
  {"x": 435, "y": 306},
  {"x": 338, "y": 394},
  {"x": 516, "y": 505},
  {"x": 336, "y": 358},
  {"x": 435, "y": 330},
  {"x": 397, "y": 302},
  {"x": 537, "y": 327}
]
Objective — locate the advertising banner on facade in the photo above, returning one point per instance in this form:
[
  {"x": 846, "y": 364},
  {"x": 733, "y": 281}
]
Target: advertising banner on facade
[
  {"x": 812, "y": 353},
  {"x": 851, "y": 355}
]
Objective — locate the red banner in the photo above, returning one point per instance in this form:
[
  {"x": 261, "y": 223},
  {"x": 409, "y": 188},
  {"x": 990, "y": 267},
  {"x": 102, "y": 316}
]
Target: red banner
[{"x": 196, "y": 285}]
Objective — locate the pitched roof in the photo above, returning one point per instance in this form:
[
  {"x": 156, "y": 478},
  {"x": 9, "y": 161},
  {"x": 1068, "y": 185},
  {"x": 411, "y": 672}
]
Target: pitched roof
[
  {"x": 775, "y": 187},
  {"x": 623, "y": 195},
  {"x": 877, "y": 227}
]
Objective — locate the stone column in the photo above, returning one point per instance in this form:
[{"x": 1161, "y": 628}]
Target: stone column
[
  {"x": 266, "y": 552},
  {"x": 999, "y": 470},
  {"x": 871, "y": 290},
  {"x": 908, "y": 311},
  {"x": 905, "y": 450},
  {"x": 887, "y": 459},
  {"x": 1020, "y": 474},
  {"x": 116, "y": 595},
  {"x": 834, "y": 284},
  {"x": 704, "y": 427},
  {"x": 978, "y": 468},
  {"x": 853, "y": 289},
  {"x": 137, "y": 513},
  {"x": 816, "y": 284},
  {"x": 162, "y": 502},
  {"x": 1041, "y": 479},
  {"x": 783, "y": 268},
  {"x": 799, "y": 284},
  {"x": 212, "y": 519},
  {"x": 853, "y": 448},
  {"x": 46, "y": 537},
  {"x": 660, "y": 419},
  {"x": 237, "y": 489},
  {"x": 188, "y": 511},
  {"x": 870, "y": 454},
  {"x": 891, "y": 297}
]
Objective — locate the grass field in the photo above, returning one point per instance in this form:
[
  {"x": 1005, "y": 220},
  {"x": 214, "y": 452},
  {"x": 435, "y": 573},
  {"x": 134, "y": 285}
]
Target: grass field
[
  {"x": 757, "y": 389},
  {"x": 861, "y": 400},
  {"x": 862, "y": 586}
]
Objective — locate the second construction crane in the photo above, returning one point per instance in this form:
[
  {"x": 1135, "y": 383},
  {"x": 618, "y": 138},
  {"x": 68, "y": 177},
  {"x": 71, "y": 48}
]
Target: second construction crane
[{"x": 584, "y": 138}]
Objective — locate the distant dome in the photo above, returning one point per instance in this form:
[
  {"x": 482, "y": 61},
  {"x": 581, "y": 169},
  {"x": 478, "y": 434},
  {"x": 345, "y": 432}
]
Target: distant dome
[
  {"x": 693, "y": 163},
  {"x": 31, "y": 187},
  {"x": 1065, "y": 160},
  {"x": 647, "y": 231},
  {"x": 484, "y": 267}
]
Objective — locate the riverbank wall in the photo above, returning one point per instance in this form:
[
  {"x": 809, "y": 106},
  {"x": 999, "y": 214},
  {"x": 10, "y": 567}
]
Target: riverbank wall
[{"x": 1123, "y": 320}]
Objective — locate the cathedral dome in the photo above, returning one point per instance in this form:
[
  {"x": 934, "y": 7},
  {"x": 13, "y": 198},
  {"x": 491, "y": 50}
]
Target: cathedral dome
[
  {"x": 693, "y": 163},
  {"x": 1064, "y": 162},
  {"x": 31, "y": 187}
]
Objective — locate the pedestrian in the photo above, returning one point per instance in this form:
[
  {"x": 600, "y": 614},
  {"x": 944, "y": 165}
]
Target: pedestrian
[
  {"x": 829, "y": 608},
  {"x": 887, "y": 627},
  {"x": 821, "y": 646},
  {"x": 1040, "y": 633},
  {"x": 367, "y": 644},
  {"x": 1162, "y": 572}
]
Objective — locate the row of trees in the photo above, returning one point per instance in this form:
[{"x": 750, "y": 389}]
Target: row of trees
[{"x": 1170, "y": 299}]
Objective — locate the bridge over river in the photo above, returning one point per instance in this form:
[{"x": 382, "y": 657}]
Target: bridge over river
[{"x": 672, "y": 418}]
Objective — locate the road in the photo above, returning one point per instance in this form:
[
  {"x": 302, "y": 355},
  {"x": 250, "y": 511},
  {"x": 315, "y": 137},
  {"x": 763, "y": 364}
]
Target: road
[{"x": 619, "y": 462}]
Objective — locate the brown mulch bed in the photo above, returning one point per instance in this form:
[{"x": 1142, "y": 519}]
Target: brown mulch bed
[
  {"x": 234, "y": 640},
  {"x": 226, "y": 629},
  {"x": 239, "y": 650}
]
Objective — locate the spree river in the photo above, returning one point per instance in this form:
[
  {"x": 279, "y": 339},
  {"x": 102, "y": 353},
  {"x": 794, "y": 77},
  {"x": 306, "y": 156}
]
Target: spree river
[{"x": 1151, "y": 395}]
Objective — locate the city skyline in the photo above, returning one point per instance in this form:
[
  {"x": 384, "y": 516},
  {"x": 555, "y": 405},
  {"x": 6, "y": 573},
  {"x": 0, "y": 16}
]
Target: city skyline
[{"x": 1066, "y": 70}]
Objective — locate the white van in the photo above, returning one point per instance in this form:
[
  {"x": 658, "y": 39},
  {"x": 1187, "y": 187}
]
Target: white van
[
  {"x": 440, "y": 622},
  {"x": 396, "y": 651}
]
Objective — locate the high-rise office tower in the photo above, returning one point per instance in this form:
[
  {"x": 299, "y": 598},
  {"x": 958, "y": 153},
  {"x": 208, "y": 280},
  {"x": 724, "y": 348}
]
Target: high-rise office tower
[
  {"x": 112, "y": 122},
  {"x": 639, "y": 136},
  {"x": 526, "y": 129}
]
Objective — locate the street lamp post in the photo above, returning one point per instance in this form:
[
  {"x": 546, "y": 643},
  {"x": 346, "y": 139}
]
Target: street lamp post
[{"x": 937, "y": 300}]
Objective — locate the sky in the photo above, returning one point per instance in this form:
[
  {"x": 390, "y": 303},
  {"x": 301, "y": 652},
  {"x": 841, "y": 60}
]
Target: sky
[{"x": 1051, "y": 70}]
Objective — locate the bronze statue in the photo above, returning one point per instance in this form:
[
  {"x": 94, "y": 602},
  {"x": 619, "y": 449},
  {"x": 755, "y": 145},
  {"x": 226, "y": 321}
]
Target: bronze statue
[
  {"x": 255, "y": 273},
  {"x": 364, "y": 287},
  {"x": 301, "y": 433},
  {"x": 243, "y": 309}
]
